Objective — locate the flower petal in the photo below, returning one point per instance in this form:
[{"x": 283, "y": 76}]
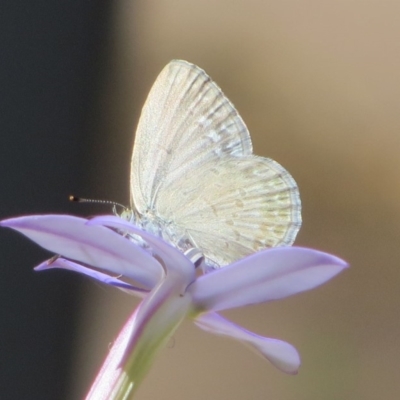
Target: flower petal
[
  {"x": 62, "y": 263},
  {"x": 92, "y": 245},
  {"x": 281, "y": 354},
  {"x": 171, "y": 256},
  {"x": 264, "y": 276}
]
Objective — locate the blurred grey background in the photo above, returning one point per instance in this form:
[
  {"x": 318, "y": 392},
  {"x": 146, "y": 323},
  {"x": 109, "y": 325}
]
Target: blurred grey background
[{"x": 318, "y": 85}]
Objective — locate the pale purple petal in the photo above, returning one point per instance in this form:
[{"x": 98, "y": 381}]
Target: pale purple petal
[
  {"x": 97, "y": 246},
  {"x": 171, "y": 256},
  {"x": 281, "y": 354},
  {"x": 99, "y": 276},
  {"x": 264, "y": 276},
  {"x": 160, "y": 313}
]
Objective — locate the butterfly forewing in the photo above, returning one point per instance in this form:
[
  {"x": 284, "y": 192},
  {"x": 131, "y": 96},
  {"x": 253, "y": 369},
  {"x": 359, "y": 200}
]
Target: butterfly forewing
[
  {"x": 193, "y": 170},
  {"x": 185, "y": 123}
]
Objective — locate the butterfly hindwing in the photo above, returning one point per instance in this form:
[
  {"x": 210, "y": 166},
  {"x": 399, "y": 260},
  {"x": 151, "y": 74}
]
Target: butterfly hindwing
[{"x": 235, "y": 207}]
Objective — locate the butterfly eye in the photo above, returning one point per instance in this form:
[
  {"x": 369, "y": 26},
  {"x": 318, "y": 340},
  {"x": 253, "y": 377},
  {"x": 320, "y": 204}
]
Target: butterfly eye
[
  {"x": 195, "y": 256},
  {"x": 126, "y": 214}
]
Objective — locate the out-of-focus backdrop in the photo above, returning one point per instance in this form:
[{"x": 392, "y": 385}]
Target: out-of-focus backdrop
[{"x": 318, "y": 85}]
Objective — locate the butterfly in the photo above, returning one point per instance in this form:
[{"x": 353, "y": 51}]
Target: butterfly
[{"x": 195, "y": 181}]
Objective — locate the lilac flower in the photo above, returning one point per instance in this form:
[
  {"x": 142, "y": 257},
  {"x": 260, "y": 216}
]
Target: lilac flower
[{"x": 166, "y": 281}]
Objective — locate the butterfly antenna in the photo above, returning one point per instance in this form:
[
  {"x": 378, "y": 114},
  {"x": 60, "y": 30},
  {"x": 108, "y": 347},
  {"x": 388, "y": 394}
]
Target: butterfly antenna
[{"x": 109, "y": 202}]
